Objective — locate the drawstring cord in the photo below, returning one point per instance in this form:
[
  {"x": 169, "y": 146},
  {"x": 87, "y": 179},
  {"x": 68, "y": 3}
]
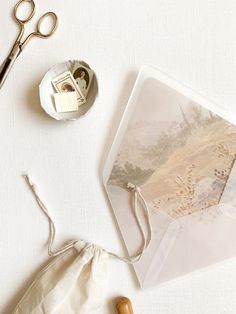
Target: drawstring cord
[
  {"x": 138, "y": 197},
  {"x": 52, "y": 228}
]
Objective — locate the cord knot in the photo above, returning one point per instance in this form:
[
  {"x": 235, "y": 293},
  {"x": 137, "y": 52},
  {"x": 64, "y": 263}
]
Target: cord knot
[{"x": 133, "y": 187}]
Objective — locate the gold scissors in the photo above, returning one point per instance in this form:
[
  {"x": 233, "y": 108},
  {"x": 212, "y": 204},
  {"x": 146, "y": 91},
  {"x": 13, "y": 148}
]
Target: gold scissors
[{"x": 20, "y": 43}]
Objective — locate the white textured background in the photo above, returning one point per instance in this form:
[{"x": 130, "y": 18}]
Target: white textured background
[{"x": 192, "y": 40}]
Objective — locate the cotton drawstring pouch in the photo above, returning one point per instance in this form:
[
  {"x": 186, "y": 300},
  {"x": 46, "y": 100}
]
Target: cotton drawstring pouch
[{"x": 76, "y": 279}]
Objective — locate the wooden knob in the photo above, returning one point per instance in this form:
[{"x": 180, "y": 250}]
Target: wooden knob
[{"x": 124, "y": 306}]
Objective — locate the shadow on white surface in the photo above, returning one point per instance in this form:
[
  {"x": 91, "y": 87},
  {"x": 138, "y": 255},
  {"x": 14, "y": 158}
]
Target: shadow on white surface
[
  {"x": 110, "y": 305},
  {"x": 33, "y": 101}
]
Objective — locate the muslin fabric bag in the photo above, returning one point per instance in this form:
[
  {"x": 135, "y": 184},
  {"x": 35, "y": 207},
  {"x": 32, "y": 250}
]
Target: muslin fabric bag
[
  {"x": 74, "y": 282},
  {"x": 76, "y": 279}
]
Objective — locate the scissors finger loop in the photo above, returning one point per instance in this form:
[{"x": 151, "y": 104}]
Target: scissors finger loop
[
  {"x": 42, "y": 33},
  {"x": 31, "y": 12}
]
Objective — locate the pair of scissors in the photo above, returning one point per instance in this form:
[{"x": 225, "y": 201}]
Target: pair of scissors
[{"x": 20, "y": 43}]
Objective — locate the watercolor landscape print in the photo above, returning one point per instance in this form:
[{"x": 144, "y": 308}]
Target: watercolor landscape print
[{"x": 178, "y": 152}]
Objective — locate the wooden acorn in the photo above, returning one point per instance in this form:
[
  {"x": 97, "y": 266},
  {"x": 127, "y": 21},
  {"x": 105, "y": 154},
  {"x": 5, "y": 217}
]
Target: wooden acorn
[{"x": 124, "y": 306}]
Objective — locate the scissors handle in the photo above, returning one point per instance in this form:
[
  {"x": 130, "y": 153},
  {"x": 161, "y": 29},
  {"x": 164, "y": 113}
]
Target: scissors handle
[
  {"x": 39, "y": 32},
  {"x": 7, "y": 65},
  {"x": 30, "y": 14},
  {"x": 20, "y": 44}
]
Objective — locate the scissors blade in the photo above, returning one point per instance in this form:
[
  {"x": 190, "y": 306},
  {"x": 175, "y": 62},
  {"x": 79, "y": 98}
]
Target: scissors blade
[{"x": 7, "y": 65}]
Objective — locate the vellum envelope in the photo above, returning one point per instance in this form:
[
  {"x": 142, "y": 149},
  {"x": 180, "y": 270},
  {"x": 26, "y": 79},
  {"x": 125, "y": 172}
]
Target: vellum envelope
[{"x": 180, "y": 150}]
